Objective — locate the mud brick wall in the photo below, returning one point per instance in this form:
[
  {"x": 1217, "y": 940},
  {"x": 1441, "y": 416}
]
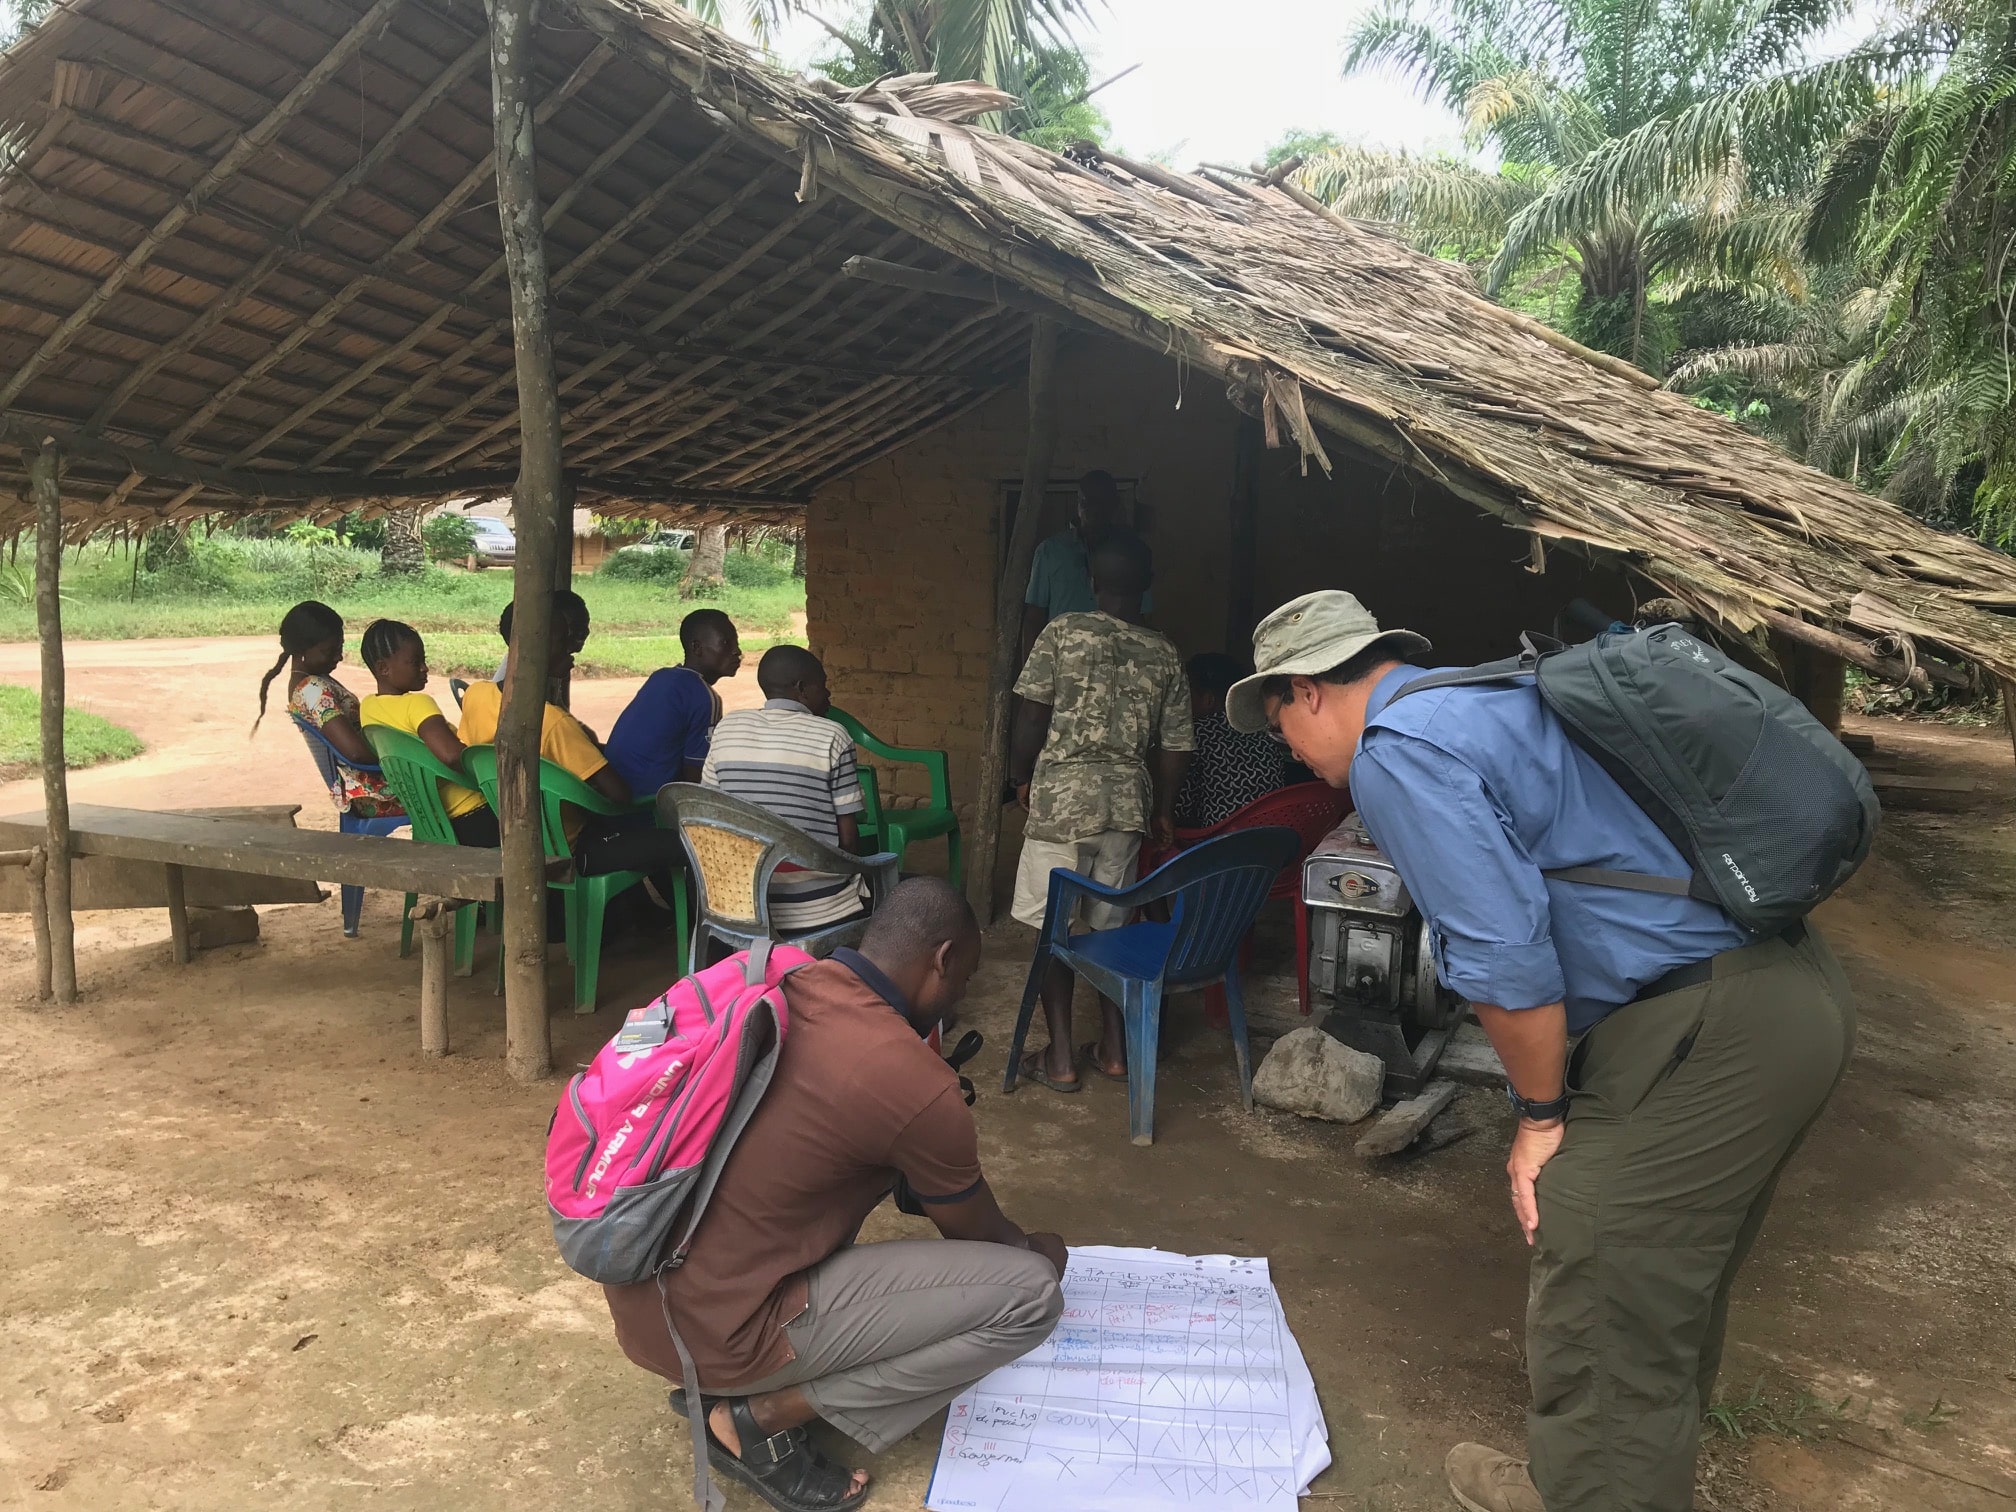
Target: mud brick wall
[{"x": 902, "y": 556}]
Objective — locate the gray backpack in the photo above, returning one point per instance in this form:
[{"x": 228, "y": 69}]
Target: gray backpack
[{"x": 1771, "y": 810}]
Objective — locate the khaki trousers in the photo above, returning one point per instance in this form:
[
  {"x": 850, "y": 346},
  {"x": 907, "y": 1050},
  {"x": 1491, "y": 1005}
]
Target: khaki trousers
[
  {"x": 892, "y": 1332},
  {"x": 1685, "y": 1109}
]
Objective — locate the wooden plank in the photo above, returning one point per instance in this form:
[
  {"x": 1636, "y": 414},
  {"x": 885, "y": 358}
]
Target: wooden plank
[
  {"x": 239, "y": 845},
  {"x": 1913, "y": 783},
  {"x": 1400, "y": 1125},
  {"x": 107, "y": 882}
]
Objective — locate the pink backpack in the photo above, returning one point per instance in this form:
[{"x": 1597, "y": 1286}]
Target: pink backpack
[{"x": 639, "y": 1139}]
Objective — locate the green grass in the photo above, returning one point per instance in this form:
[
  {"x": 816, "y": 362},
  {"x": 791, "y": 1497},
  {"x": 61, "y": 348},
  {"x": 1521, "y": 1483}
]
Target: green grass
[
  {"x": 1799, "y": 1415},
  {"x": 234, "y": 586},
  {"x": 87, "y": 739}
]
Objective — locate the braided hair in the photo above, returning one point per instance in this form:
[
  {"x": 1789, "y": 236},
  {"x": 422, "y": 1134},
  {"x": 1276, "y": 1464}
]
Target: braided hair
[
  {"x": 304, "y": 627},
  {"x": 383, "y": 638}
]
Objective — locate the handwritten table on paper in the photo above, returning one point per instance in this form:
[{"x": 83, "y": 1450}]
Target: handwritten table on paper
[{"x": 1171, "y": 1380}]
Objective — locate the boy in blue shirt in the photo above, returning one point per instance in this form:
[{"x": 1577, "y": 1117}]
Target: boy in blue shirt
[{"x": 662, "y": 735}]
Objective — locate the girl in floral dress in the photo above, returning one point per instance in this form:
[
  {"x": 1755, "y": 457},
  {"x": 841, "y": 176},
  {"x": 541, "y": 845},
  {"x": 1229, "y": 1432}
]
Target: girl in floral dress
[{"x": 311, "y": 634}]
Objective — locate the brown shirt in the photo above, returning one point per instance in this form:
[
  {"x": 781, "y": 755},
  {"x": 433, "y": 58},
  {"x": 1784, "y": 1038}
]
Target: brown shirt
[{"x": 858, "y": 1099}]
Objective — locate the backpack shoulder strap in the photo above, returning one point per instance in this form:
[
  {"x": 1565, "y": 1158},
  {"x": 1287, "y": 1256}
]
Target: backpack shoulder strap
[{"x": 1518, "y": 668}]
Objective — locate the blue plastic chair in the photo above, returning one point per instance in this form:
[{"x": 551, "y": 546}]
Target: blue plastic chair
[
  {"x": 1217, "y": 889},
  {"x": 327, "y": 760}
]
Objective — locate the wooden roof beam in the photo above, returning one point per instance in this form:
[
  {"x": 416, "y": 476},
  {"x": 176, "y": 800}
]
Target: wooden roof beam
[
  {"x": 150, "y": 460},
  {"x": 671, "y": 250},
  {"x": 947, "y": 285},
  {"x": 480, "y": 172},
  {"x": 707, "y": 286},
  {"x": 499, "y": 329},
  {"x": 483, "y": 280},
  {"x": 248, "y": 281},
  {"x": 235, "y": 157}
]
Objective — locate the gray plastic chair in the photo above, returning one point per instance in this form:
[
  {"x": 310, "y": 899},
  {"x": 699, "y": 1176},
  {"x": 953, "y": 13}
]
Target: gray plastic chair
[{"x": 733, "y": 849}]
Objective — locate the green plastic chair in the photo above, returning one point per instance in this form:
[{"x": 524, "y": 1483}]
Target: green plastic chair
[
  {"x": 897, "y": 829},
  {"x": 415, "y": 774},
  {"x": 586, "y": 898}
]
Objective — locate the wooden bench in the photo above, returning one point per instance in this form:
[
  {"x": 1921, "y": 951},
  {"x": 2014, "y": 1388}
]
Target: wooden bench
[{"x": 445, "y": 876}]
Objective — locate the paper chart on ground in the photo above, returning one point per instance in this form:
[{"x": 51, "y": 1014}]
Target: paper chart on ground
[{"x": 1170, "y": 1381}]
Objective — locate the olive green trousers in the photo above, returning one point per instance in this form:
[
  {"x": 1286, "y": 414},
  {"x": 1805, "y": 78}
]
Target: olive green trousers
[{"x": 1685, "y": 1109}]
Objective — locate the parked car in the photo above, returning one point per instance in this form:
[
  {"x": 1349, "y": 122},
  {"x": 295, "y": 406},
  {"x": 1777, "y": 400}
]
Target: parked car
[
  {"x": 496, "y": 546},
  {"x": 663, "y": 540}
]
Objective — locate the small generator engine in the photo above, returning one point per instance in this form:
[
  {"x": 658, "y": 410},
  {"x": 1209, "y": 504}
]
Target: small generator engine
[{"x": 1369, "y": 960}]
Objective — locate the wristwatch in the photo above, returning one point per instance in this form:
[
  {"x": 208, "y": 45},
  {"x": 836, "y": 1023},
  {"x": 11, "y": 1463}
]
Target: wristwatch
[{"x": 1537, "y": 1112}]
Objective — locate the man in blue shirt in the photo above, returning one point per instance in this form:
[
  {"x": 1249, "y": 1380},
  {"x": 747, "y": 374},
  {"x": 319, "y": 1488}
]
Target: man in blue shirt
[
  {"x": 662, "y": 734},
  {"x": 1060, "y": 574},
  {"x": 1664, "y": 1063}
]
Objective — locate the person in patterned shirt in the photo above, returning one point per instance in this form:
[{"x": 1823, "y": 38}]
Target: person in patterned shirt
[
  {"x": 1231, "y": 768},
  {"x": 1100, "y": 691}
]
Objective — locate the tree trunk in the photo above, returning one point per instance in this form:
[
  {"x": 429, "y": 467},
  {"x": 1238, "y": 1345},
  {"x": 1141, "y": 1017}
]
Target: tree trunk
[
  {"x": 537, "y": 502},
  {"x": 404, "y": 554},
  {"x": 707, "y": 568},
  {"x": 45, "y": 484},
  {"x": 798, "y": 554}
]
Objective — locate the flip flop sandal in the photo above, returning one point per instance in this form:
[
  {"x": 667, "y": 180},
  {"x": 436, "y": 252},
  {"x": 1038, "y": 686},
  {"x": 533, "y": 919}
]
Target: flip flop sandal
[
  {"x": 785, "y": 1469},
  {"x": 1032, "y": 1070},
  {"x": 1088, "y": 1055}
]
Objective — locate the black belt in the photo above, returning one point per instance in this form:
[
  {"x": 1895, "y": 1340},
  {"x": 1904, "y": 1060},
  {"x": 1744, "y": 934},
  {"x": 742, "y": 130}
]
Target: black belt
[{"x": 1694, "y": 973}]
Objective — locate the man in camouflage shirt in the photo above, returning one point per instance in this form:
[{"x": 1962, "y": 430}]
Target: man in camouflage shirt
[{"x": 1100, "y": 691}]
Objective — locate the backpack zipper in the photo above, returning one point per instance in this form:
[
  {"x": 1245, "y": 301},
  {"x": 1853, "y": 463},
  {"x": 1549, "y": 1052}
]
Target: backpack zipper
[{"x": 574, "y": 1100}]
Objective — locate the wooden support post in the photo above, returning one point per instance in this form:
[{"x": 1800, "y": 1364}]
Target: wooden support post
[
  {"x": 178, "y": 915},
  {"x": 1001, "y": 666},
  {"x": 2009, "y": 708},
  {"x": 38, "y": 917},
  {"x": 1815, "y": 676},
  {"x": 528, "y": 1045},
  {"x": 45, "y": 483},
  {"x": 434, "y": 919},
  {"x": 1242, "y": 557}
]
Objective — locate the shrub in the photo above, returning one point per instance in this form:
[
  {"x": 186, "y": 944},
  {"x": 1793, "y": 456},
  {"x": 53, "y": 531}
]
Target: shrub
[
  {"x": 643, "y": 566},
  {"x": 618, "y": 528},
  {"x": 449, "y": 538},
  {"x": 747, "y": 570}
]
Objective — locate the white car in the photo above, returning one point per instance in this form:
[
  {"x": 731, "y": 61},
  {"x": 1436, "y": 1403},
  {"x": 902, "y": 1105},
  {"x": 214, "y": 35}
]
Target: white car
[{"x": 663, "y": 540}]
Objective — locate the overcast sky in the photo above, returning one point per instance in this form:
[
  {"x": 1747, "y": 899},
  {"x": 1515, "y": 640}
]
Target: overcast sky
[{"x": 1219, "y": 83}]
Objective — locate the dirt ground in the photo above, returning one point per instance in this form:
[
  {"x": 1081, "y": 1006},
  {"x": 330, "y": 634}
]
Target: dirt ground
[{"x": 259, "y": 1253}]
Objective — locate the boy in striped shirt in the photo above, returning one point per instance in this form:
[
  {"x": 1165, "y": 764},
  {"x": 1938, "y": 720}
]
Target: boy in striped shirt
[{"x": 789, "y": 758}]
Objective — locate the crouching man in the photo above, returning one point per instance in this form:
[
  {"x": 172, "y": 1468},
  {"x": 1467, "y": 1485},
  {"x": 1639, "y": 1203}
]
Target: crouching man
[{"x": 787, "y": 1318}]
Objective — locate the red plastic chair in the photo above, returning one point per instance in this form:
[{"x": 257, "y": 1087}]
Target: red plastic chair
[{"x": 1312, "y": 810}]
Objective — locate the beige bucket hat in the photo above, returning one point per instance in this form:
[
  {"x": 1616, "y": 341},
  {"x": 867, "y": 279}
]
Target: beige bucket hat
[{"x": 1308, "y": 635}]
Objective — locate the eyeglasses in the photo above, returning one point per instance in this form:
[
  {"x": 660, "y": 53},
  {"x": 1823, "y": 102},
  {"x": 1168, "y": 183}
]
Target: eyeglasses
[{"x": 1274, "y": 720}]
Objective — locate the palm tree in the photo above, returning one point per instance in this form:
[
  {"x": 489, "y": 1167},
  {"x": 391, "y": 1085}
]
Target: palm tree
[
  {"x": 1551, "y": 86},
  {"x": 706, "y": 569},
  {"x": 994, "y": 41},
  {"x": 1917, "y": 132}
]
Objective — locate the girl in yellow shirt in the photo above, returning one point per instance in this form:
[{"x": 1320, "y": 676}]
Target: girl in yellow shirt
[{"x": 398, "y": 659}]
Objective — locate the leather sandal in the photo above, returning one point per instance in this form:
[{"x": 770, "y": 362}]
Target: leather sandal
[{"x": 786, "y": 1469}]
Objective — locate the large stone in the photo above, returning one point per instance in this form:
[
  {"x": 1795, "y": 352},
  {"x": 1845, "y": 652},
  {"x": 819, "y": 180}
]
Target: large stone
[{"x": 1309, "y": 1073}]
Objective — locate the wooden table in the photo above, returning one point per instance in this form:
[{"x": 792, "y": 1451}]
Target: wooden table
[{"x": 445, "y": 876}]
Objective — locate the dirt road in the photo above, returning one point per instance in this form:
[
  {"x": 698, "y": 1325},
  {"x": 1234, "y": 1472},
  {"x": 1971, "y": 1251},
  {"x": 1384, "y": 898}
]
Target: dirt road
[
  {"x": 259, "y": 1253},
  {"x": 193, "y": 703}
]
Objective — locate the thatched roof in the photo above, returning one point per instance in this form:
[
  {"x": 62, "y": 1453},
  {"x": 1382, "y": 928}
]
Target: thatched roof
[{"x": 261, "y": 238}]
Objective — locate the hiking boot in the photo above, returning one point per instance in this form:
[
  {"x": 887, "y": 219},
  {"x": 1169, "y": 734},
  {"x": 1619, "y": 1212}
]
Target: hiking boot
[{"x": 1486, "y": 1481}]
